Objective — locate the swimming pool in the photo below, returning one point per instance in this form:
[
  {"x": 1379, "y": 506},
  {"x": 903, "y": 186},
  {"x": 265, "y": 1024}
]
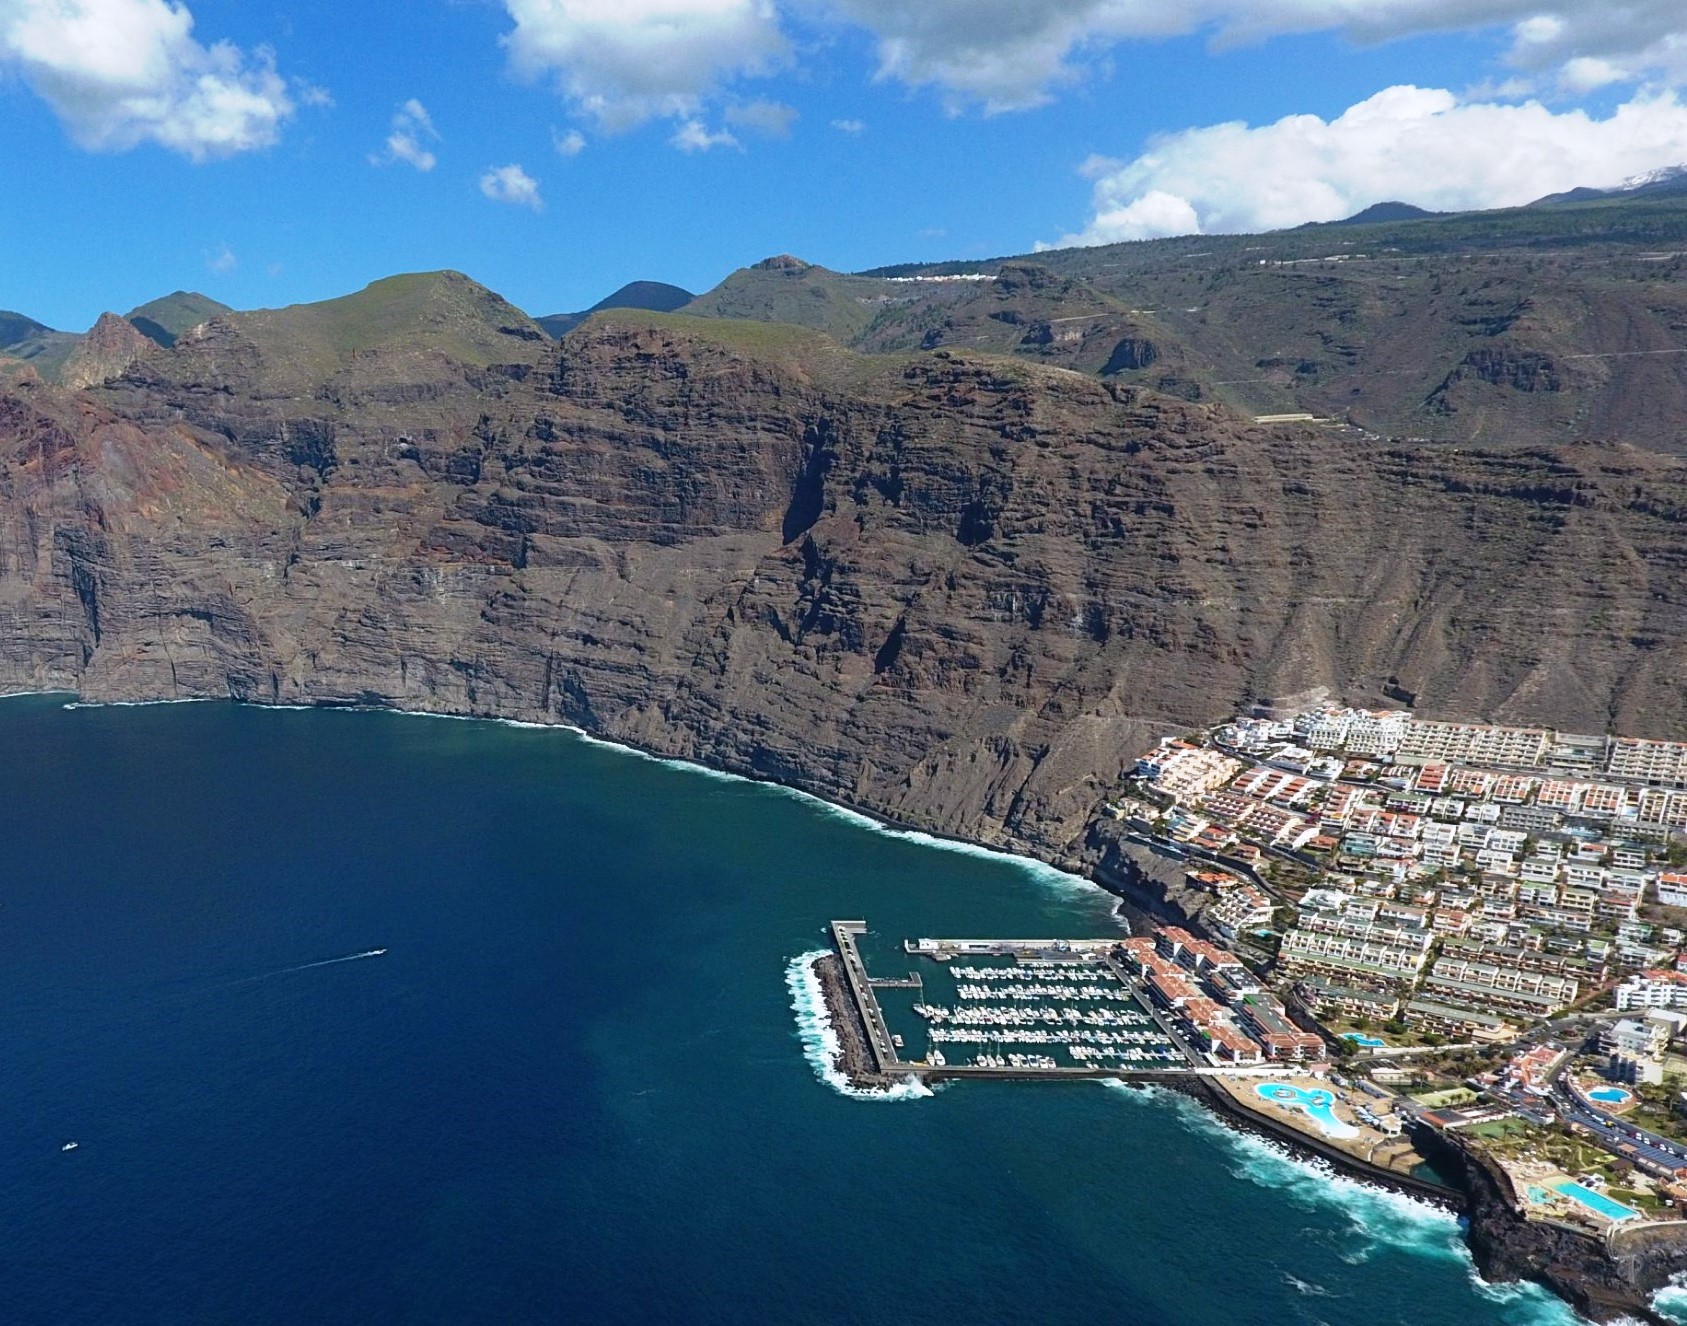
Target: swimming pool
[
  {"x": 1610, "y": 1095},
  {"x": 1359, "y": 1038},
  {"x": 1315, "y": 1104},
  {"x": 1596, "y": 1201}
]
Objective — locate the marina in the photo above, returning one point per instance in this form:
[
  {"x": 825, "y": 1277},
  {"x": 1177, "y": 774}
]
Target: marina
[{"x": 1009, "y": 1008}]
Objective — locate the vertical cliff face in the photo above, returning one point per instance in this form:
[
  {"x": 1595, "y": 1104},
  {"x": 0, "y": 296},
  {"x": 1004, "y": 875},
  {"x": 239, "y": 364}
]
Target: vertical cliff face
[{"x": 956, "y": 590}]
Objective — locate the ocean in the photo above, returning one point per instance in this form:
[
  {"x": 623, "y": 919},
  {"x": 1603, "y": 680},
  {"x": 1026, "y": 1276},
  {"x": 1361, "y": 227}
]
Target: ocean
[{"x": 580, "y": 1083}]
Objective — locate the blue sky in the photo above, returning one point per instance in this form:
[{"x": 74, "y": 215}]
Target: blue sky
[{"x": 273, "y": 152}]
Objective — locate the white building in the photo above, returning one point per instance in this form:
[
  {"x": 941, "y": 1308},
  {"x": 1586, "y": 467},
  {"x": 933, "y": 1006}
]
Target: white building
[{"x": 1653, "y": 989}]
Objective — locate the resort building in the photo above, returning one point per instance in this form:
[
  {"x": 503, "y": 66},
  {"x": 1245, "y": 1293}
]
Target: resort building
[
  {"x": 1474, "y": 743},
  {"x": 1660, "y": 762},
  {"x": 1451, "y": 1020},
  {"x": 1653, "y": 989}
]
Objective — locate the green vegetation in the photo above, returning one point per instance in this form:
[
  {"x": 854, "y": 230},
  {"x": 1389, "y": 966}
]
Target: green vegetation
[
  {"x": 1451, "y": 1098},
  {"x": 165, "y": 319},
  {"x": 35, "y": 343}
]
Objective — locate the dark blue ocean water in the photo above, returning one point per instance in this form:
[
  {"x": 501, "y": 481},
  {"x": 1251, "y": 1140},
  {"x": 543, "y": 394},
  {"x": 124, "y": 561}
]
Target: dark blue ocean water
[{"x": 573, "y": 1088}]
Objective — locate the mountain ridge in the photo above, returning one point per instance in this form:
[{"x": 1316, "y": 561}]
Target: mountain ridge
[{"x": 957, "y": 589}]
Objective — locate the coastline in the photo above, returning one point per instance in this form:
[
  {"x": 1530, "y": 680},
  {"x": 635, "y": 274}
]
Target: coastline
[{"x": 1597, "y": 1282}]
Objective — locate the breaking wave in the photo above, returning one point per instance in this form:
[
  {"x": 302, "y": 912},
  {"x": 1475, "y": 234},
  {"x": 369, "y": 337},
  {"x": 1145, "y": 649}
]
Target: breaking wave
[
  {"x": 1671, "y": 1300},
  {"x": 820, "y": 1041},
  {"x": 1376, "y": 1218},
  {"x": 1038, "y": 871}
]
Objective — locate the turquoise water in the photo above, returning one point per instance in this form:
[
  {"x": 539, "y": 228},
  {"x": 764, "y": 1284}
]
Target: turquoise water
[
  {"x": 1359, "y": 1038},
  {"x": 1315, "y": 1104},
  {"x": 1596, "y": 1201},
  {"x": 574, "y": 1087},
  {"x": 1610, "y": 1095}
]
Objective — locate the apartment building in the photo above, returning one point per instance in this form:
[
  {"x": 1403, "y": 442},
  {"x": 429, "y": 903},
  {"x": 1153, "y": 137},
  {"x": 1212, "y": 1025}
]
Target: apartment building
[{"x": 1474, "y": 743}]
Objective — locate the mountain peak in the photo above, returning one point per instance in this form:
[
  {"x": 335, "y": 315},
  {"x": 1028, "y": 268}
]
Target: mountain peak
[
  {"x": 783, "y": 262},
  {"x": 166, "y": 319},
  {"x": 1386, "y": 211}
]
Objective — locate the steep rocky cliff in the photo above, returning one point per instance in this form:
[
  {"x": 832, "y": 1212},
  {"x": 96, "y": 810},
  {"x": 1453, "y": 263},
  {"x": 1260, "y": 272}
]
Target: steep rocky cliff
[{"x": 958, "y": 590}]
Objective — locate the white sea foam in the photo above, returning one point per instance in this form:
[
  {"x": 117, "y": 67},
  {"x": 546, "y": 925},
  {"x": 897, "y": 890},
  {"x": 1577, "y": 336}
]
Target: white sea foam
[
  {"x": 1039, "y": 871},
  {"x": 820, "y": 1039},
  {"x": 143, "y": 704},
  {"x": 1376, "y": 1218},
  {"x": 1672, "y": 1299}
]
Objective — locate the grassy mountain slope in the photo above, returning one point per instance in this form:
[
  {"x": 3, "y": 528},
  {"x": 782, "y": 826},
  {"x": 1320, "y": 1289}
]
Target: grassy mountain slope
[
  {"x": 163, "y": 320},
  {"x": 787, "y": 289},
  {"x": 34, "y": 343},
  {"x": 655, "y": 296},
  {"x": 388, "y": 337}
]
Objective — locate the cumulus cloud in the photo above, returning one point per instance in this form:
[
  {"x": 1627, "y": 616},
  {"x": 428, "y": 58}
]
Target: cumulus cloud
[
  {"x": 412, "y": 127},
  {"x": 695, "y": 136},
  {"x": 569, "y": 144},
  {"x": 1419, "y": 145},
  {"x": 850, "y": 127},
  {"x": 771, "y": 119},
  {"x": 221, "y": 261},
  {"x": 1007, "y": 54},
  {"x": 627, "y": 61},
  {"x": 119, "y": 73},
  {"x": 511, "y": 184}
]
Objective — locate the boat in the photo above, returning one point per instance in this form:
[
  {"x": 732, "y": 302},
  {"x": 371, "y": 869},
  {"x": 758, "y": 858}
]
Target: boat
[{"x": 69, "y": 1146}]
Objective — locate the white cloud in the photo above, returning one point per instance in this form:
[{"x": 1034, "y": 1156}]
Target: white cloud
[
  {"x": 772, "y": 119},
  {"x": 850, "y": 126},
  {"x": 511, "y": 184},
  {"x": 628, "y": 61},
  {"x": 1009, "y": 54},
  {"x": 1418, "y": 145},
  {"x": 695, "y": 136},
  {"x": 569, "y": 144},
  {"x": 119, "y": 73},
  {"x": 412, "y": 127},
  {"x": 222, "y": 261}
]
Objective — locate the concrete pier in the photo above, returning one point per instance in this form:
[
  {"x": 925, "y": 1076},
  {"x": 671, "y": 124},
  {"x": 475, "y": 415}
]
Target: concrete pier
[{"x": 872, "y": 1016}]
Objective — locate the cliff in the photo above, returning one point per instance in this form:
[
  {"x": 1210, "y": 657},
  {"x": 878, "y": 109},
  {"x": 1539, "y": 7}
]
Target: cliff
[
  {"x": 957, "y": 590},
  {"x": 1605, "y": 1280}
]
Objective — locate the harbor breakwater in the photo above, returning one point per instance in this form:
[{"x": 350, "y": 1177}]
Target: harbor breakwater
[{"x": 1606, "y": 1280}]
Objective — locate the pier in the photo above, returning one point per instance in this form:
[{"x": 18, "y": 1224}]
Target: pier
[{"x": 861, "y": 987}]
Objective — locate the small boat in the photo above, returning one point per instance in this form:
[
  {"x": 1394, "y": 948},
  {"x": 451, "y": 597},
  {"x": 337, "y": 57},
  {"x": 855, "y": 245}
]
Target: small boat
[{"x": 69, "y": 1146}]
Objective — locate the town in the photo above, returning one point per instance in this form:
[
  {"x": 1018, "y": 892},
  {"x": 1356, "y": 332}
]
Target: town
[
  {"x": 1389, "y": 940},
  {"x": 1488, "y": 919}
]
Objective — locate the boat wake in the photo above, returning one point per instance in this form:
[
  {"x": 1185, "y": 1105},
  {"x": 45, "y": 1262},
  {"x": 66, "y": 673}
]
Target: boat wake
[
  {"x": 305, "y": 966},
  {"x": 820, "y": 1040}
]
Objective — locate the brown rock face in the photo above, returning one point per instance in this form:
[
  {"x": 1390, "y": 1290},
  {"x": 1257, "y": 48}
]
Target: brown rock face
[
  {"x": 956, "y": 590},
  {"x": 104, "y": 353}
]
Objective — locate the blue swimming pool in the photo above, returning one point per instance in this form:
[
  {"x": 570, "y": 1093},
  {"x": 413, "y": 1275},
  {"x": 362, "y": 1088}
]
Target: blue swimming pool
[
  {"x": 1359, "y": 1038},
  {"x": 1596, "y": 1201},
  {"x": 1315, "y": 1104},
  {"x": 1610, "y": 1095}
]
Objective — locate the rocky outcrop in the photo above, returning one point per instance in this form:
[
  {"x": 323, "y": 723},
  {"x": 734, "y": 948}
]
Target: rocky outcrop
[
  {"x": 106, "y": 352},
  {"x": 958, "y": 591},
  {"x": 1606, "y": 1280}
]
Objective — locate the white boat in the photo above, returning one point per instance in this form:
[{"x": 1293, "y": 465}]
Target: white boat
[{"x": 69, "y": 1146}]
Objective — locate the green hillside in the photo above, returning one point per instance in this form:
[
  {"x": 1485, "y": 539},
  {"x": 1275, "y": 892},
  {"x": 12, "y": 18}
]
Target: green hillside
[{"x": 163, "y": 320}]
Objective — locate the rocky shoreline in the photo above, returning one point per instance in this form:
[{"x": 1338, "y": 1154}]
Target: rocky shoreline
[
  {"x": 1605, "y": 1281},
  {"x": 854, "y": 1057}
]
